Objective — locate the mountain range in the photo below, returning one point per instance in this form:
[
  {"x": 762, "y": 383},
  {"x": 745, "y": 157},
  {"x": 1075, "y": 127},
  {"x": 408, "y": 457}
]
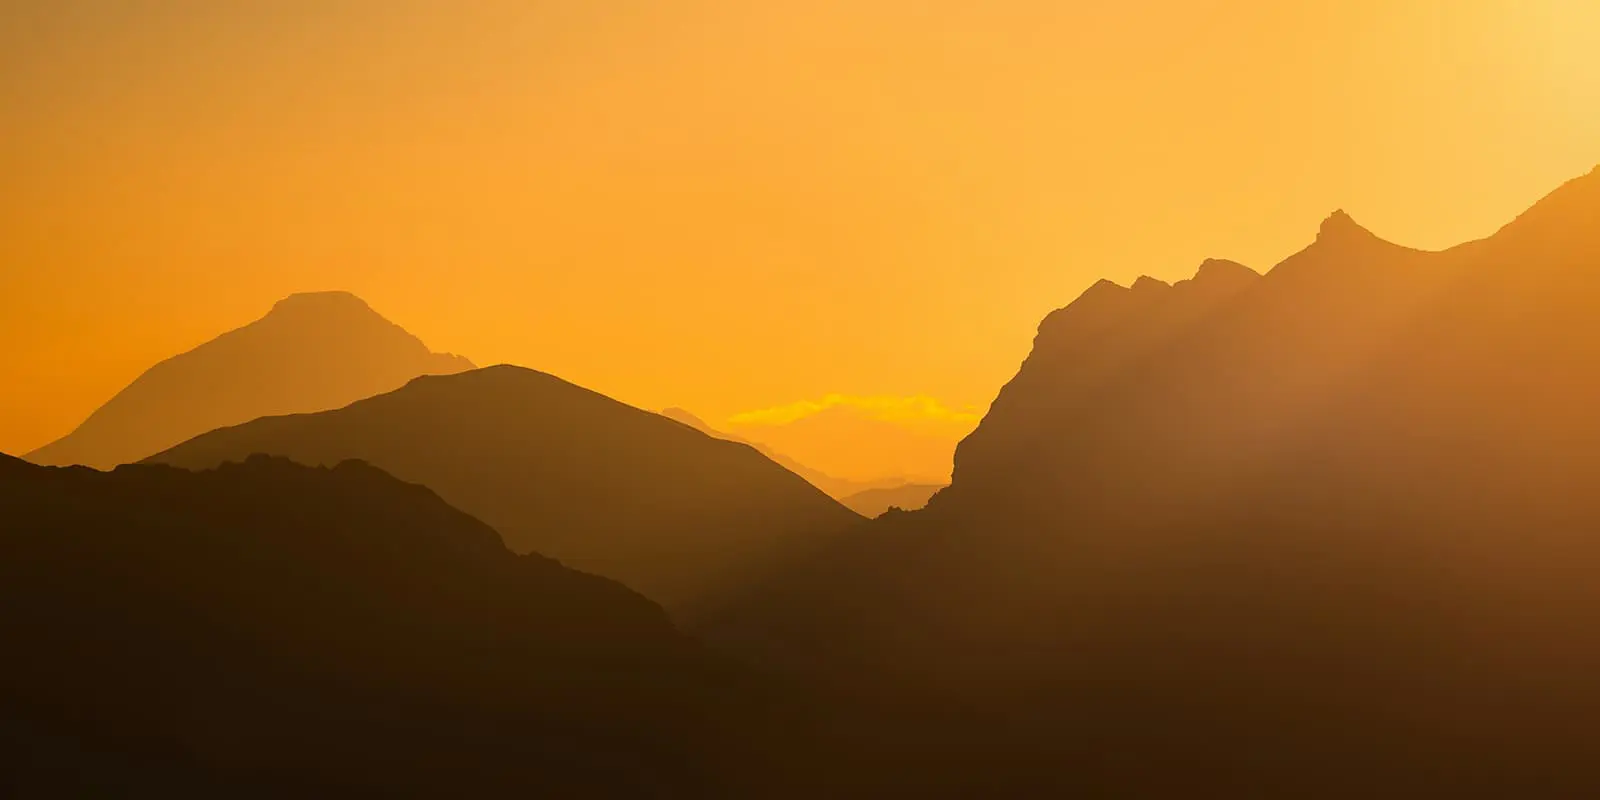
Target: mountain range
[
  {"x": 311, "y": 352},
  {"x": 563, "y": 471},
  {"x": 1325, "y": 530},
  {"x": 268, "y": 629}
]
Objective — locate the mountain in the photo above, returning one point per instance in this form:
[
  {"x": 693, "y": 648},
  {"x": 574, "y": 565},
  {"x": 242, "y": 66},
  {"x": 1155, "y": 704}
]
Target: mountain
[
  {"x": 311, "y": 352},
  {"x": 1330, "y": 531},
  {"x": 837, "y": 488},
  {"x": 267, "y": 629},
  {"x": 847, "y": 439},
  {"x": 572, "y": 474},
  {"x": 877, "y": 502}
]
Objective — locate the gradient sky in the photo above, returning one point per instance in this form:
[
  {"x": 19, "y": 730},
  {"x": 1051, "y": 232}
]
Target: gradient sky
[{"x": 728, "y": 206}]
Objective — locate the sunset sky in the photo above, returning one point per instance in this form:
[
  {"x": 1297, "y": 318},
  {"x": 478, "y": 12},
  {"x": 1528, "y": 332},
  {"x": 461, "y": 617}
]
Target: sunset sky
[{"x": 734, "y": 207}]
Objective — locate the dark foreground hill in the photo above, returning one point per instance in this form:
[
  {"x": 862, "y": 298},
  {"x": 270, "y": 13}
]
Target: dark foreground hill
[
  {"x": 1330, "y": 530},
  {"x": 560, "y": 470},
  {"x": 311, "y": 352},
  {"x": 276, "y": 630}
]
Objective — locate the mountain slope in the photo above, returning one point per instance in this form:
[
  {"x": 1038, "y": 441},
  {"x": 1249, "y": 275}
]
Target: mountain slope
[
  {"x": 310, "y": 353},
  {"x": 1330, "y": 530},
  {"x": 271, "y": 629},
  {"x": 837, "y": 488},
  {"x": 566, "y": 472},
  {"x": 876, "y": 502}
]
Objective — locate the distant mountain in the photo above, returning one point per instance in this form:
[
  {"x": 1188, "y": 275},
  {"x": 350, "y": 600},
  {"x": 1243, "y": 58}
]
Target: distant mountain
[
  {"x": 837, "y": 488},
  {"x": 846, "y": 439},
  {"x": 566, "y": 472},
  {"x": 1332, "y": 531},
  {"x": 268, "y": 629},
  {"x": 311, "y": 352},
  {"x": 875, "y": 502}
]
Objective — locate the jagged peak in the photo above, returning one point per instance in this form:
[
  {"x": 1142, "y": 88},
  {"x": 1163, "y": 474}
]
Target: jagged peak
[
  {"x": 1100, "y": 298},
  {"x": 1145, "y": 283},
  {"x": 1105, "y": 295},
  {"x": 1341, "y": 235},
  {"x": 1104, "y": 286},
  {"x": 1218, "y": 275},
  {"x": 1341, "y": 226},
  {"x": 1213, "y": 269}
]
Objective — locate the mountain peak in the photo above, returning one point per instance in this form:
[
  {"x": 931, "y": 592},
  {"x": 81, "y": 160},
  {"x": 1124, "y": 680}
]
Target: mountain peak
[
  {"x": 1104, "y": 287},
  {"x": 1223, "y": 269},
  {"x": 313, "y": 351},
  {"x": 1145, "y": 283},
  {"x": 327, "y": 302},
  {"x": 1340, "y": 225}
]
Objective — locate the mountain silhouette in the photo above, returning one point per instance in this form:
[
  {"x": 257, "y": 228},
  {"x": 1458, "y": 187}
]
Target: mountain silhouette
[
  {"x": 876, "y": 502},
  {"x": 311, "y": 352},
  {"x": 837, "y": 488},
  {"x": 270, "y": 629},
  {"x": 1330, "y": 530},
  {"x": 851, "y": 440},
  {"x": 563, "y": 471}
]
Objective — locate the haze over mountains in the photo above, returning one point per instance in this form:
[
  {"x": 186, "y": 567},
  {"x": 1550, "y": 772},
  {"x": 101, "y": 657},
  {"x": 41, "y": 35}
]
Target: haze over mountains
[
  {"x": 906, "y": 497},
  {"x": 1328, "y": 530},
  {"x": 864, "y": 442},
  {"x": 566, "y": 472},
  {"x": 1325, "y": 530},
  {"x": 857, "y": 495},
  {"x": 1290, "y": 507},
  {"x": 311, "y": 352}
]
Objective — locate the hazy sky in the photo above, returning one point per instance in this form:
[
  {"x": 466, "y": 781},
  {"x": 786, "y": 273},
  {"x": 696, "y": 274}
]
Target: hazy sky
[{"x": 728, "y": 206}]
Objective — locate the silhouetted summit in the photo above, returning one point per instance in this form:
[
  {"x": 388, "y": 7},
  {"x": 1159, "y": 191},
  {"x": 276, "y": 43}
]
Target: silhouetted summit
[
  {"x": 1339, "y": 225},
  {"x": 567, "y": 472},
  {"x": 1219, "y": 270},
  {"x": 311, "y": 352},
  {"x": 333, "y": 303},
  {"x": 271, "y": 629},
  {"x": 1331, "y": 530}
]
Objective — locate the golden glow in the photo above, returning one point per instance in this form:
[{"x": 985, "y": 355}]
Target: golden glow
[
  {"x": 899, "y": 410},
  {"x": 864, "y": 438},
  {"x": 726, "y": 206}
]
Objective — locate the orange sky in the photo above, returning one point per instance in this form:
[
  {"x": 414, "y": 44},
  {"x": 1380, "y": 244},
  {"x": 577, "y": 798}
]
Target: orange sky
[{"x": 728, "y": 206}]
